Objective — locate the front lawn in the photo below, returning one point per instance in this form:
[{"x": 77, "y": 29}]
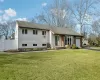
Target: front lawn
[{"x": 51, "y": 65}]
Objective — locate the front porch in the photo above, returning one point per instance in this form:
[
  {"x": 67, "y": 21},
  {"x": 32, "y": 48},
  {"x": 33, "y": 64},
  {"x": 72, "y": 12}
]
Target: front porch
[{"x": 62, "y": 40}]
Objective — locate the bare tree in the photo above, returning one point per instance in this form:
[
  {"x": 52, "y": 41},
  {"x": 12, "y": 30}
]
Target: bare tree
[
  {"x": 96, "y": 27},
  {"x": 7, "y": 29},
  {"x": 56, "y": 14},
  {"x": 82, "y": 12}
]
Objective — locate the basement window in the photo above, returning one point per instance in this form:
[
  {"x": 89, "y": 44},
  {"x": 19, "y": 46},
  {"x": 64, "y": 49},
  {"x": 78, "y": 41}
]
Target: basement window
[
  {"x": 34, "y": 44},
  {"x": 24, "y": 44},
  {"x": 43, "y": 44}
]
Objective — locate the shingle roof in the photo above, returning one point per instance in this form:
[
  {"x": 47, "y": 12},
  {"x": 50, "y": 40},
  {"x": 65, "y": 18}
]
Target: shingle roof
[
  {"x": 56, "y": 30},
  {"x": 32, "y": 25},
  {"x": 61, "y": 30}
]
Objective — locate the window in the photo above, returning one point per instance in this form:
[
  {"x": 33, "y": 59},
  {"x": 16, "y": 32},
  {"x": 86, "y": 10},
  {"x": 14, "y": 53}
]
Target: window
[
  {"x": 56, "y": 40},
  {"x": 34, "y": 44},
  {"x": 35, "y": 32},
  {"x": 66, "y": 40},
  {"x": 43, "y": 32},
  {"x": 24, "y": 31},
  {"x": 43, "y": 44},
  {"x": 24, "y": 44},
  {"x": 70, "y": 41}
]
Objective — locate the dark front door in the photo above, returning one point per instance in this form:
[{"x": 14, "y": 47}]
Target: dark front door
[{"x": 62, "y": 41}]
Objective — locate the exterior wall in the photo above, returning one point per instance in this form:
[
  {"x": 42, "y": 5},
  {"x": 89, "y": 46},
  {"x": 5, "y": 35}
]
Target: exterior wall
[
  {"x": 8, "y": 45},
  {"x": 31, "y": 39},
  {"x": 1, "y": 45},
  {"x": 52, "y": 40}
]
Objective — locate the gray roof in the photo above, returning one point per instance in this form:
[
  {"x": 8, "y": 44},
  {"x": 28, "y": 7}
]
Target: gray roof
[
  {"x": 61, "y": 30},
  {"x": 56, "y": 30}
]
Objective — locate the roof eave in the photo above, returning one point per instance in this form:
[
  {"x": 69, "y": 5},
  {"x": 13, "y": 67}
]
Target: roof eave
[
  {"x": 32, "y": 28},
  {"x": 68, "y": 34}
]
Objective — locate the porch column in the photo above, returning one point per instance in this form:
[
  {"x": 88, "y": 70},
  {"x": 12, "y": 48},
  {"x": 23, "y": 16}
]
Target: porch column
[
  {"x": 62, "y": 40},
  {"x": 50, "y": 33}
]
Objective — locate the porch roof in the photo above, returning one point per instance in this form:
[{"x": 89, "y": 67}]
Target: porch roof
[{"x": 64, "y": 31}]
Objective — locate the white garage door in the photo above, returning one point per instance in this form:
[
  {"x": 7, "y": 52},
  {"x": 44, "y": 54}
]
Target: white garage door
[{"x": 78, "y": 43}]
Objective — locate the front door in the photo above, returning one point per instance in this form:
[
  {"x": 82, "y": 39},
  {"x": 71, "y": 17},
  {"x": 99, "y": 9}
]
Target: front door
[
  {"x": 62, "y": 41},
  {"x": 78, "y": 43}
]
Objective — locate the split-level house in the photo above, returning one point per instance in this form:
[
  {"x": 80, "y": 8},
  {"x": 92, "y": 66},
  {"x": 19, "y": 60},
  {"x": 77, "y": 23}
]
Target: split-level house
[{"x": 31, "y": 35}]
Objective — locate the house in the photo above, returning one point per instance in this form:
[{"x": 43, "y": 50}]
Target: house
[{"x": 31, "y": 35}]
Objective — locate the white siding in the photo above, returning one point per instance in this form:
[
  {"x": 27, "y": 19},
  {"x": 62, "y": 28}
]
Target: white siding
[
  {"x": 8, "y": 45},
  {"x": 31, "y": 39},
  {"x": 1, "y": 45}
]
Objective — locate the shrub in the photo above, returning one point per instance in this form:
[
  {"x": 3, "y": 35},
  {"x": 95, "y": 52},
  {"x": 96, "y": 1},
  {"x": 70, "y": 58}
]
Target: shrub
[
  {"x": 12, "y": 51},
  {"x": 77, "y": 48},
  {"x": 48, "y": 45},
  {"x": 31, "y": 49},
  {"x": 68, "y": 46},
  {"x": 74, "y": 47}
]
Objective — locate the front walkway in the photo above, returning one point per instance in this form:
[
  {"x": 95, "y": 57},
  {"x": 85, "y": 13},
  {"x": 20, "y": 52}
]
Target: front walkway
[{"x": 91, "y": 48}]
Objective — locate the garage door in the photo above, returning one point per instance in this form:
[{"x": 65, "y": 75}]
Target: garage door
[{"x": 78, "y": 43}]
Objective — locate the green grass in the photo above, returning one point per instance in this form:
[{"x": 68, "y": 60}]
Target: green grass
[{"x": 51, "y": 65}]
